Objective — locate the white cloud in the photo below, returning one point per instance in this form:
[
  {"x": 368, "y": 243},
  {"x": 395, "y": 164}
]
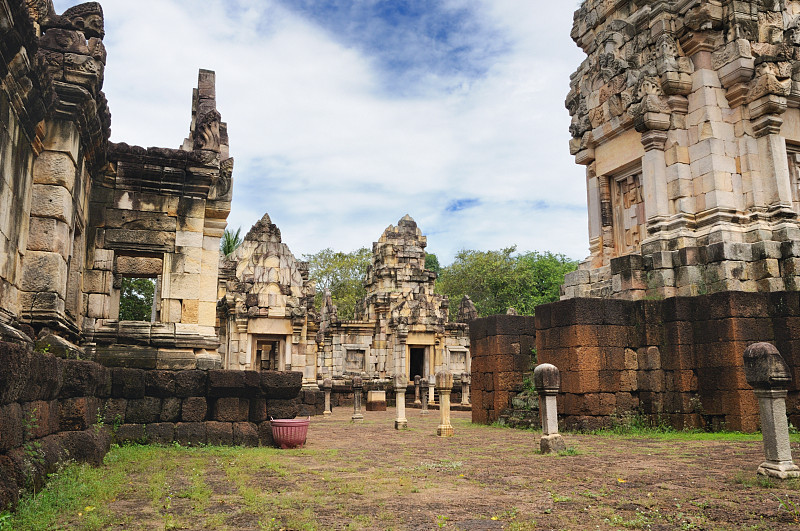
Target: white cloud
[{"x": 334, "y": 160}]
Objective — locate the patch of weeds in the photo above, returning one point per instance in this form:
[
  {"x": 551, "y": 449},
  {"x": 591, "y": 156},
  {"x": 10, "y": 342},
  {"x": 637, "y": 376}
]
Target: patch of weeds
[
  {"x": 570, "y": 450},
  {"x": 557, "y": 498},
  {"x": 5, "y": 520},
  {"x": 441, "y": 520},
  {"x": 790, "y": 507}
]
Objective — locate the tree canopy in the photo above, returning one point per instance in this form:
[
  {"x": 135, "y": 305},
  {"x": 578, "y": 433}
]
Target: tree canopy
[
  {"x": 342, "y": 274},
  {"x": 230, "y": 241},
  {"x": 498, "y": 280},
  {"x": 136, "y": 299}
]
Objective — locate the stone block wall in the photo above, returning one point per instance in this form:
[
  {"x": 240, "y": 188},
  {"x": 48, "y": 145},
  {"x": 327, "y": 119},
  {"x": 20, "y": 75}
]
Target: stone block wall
[
  {"x": 678, "y": 360},
  {"x": 502, "y": 352},
  {"x": 53, "y": 410}
]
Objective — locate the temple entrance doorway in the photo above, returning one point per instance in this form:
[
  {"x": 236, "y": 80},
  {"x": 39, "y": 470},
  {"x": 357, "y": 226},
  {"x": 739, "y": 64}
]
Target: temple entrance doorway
[
  {"x": 416, "y": 362},
  {"x": 269, "y": 353}
]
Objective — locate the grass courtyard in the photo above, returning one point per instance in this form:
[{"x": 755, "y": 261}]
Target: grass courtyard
[{"x": 369, "y": 476}]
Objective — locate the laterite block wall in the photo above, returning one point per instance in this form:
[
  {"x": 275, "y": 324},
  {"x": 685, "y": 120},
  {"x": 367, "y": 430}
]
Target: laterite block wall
[
  {"x": 502, "y": 351},
  {"x": 53, "y": 409}
]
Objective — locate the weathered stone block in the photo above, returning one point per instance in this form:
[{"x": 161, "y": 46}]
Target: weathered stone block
[
  {"x": 52, "y": 202},
  {"x": 10, "y": 427},
  {"x": 190, "y": 433},
  {"x": 219, "y": 433},
  {"x": 245, "y": 434},
  {"x": 282, "y": 409},
  {"x": 49, "y": 234},
  {"x": 258, "y": 410},
  {"x": 44, "y": 271},
  {"x": 170, "y": 409},
  {"x": 127, "y": 383},
  {"x": 143, "y": 410},
  {"x": 160, "y": 383},
  {"x": 160, "y": 433},
  {"x": 194, "y": 409},
  {"x": 277, "y": 384},
  {"x": 231, "y": 409},
  {"x": 190, "y": 383}
]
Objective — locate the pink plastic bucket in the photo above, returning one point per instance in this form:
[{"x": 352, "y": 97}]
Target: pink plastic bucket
[{"x": 289, "y": 433}]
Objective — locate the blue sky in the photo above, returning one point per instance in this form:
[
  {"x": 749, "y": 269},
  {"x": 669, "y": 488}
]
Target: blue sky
[{"x": 346, "y": 115}]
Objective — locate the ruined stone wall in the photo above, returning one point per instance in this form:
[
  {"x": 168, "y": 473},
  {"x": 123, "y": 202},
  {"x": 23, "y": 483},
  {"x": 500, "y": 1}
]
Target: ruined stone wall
[
  {"x": 53, "y": 410},
  {"x": 678, "y": 360},
  {"x": 502, "y": 354}
]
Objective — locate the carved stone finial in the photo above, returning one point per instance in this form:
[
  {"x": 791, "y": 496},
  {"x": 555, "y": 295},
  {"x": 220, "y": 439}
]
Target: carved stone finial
[{"x": 87, "y": 18}]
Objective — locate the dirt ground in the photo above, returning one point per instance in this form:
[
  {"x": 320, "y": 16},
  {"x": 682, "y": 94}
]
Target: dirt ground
[{"x": 370, "y": 476}]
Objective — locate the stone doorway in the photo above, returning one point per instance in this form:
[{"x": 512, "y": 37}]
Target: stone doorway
[
  {"x": 416, "y": 362},
  {"x": 269, "y": 354}
]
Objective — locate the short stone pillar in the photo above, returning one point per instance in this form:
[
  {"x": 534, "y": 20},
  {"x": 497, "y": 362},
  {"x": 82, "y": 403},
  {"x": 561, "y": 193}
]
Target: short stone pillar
[
  {"x": 400, "y": 402},
  {"x": 444, "y": 384},
  {"x": 424, "y": 389},
  {"x": 547, "y": 380},
  {"x": 417, "y": 379},
  {"x": 767, "y": 372},
  {"x": 431, "y": 394},
  {"x": 376, "y": 400},
  {"x": 327, "y": 386},
  {"x": 358, "y": 385},
  {"x": 466, "y": 379}
]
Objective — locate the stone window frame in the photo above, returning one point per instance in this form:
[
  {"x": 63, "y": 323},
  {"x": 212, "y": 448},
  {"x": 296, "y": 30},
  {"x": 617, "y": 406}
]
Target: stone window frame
[
  {"x": 449, "y": 350},
  {"x": 347, "y": 347},
  {"x": 617, "y": 226},
  {"x": 793, "y": 159}
]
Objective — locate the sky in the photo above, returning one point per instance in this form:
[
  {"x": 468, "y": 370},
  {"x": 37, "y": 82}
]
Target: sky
[{"x": 345, "y": 115}]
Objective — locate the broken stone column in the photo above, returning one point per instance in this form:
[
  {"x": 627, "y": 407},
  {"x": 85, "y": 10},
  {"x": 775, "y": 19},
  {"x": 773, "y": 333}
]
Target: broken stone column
[
  {"x": 547, "y": 380},
  {"x": 767, "y": 372},
  {"x": 466, "y": 379},
  {"x": 424, "y": 384},
  {"x": 327, "y": 386},
  {"x": 358, "y": 385},
  {"x": 431, "y": 394},
  {"x": 400, "y": 402},
  {"x": 417, "y": 401},
  {"x": 444, "y": 384}
]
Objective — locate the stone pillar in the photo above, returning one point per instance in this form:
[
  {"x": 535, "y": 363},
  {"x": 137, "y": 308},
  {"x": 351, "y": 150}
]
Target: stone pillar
[
  {"x": 654, "y": 177},
  {"x": 424, "y": 384},
  {"x": 466, "y": 379},
  {"x": 767, "y": 372},
  {"x": 444, "y": 384},
  {"x": 327, "y": 385},
  {"x": 417, "y": 401},
  {"x": 400, "y": 402},
  {"x": 431, "y": 394},
  {"x": 357, "y": 387},
  {"x": 547, "y": 380},
  {"x": 775, "y": 190}
]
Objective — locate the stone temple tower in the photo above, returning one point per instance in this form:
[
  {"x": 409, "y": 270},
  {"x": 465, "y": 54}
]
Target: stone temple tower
[{"x": 686, "y": 114}]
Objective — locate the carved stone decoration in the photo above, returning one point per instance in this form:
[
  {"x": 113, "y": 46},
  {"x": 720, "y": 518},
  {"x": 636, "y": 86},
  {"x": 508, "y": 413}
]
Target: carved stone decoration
[{"x": 87, "y": 18}]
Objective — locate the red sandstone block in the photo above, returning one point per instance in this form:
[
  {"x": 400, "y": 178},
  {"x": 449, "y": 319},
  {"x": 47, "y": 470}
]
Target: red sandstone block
[
  {"x": 626, "y": 402},
  {"x": 678, "y": 333},
  {"x": 743, "y": 423},
  {"x": 740, "y": 403},
  {"x": 737, "y": 304},
  {"x": 610, "y": 381},
  {"x": 503, "y": 363},
  {"x": 75, "y": 415},
  {"x": 721, "y": 354},
  {"x": 677, "y": 357},
  {"x": 568, "y": 403},
  {"x": 588, "y": 359},
  {"x": 245, "y": 434},
  {"x": 613, "y": 358},
  {"x": 488, "y": 401},
  {"x": 194, "y": 409},
  {"x": 506, "y": 381},
  {"x": 502, "y": 400},
  {"x": 503, "y": 345},
  {"x": 607, "y": 404},
  {"x": 479, "y": 364},
  {"x": 258, "y": 410},
  {"x": 219, "y": 433},
  {"x": 231, "y": 409},
  {"x": 722, "y": 378},
  {"x": 580, "y": 382},
  {"x": 681, "y": 381},
  {"x": 480, "y": 415},
  {"x": 628, "y": 381}
]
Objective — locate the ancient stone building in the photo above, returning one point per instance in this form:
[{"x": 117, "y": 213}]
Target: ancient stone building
[
  {"x": 267, "y": 320},
  {"x": 78, "y": 213},
  {"x": 686, "y": 114},
  {"x": 266, "y": 307},
  {"x": 403, "y": 327}
]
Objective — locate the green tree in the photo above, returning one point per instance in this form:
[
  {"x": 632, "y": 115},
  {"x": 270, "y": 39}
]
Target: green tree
[
  {"x": 432, "y": 263},
  {"x": 498, "y": 280},
  {"x": 136, "y": 299},
  {"x": 341, "y": 273},
  {"x": 230, "y": 241}
]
